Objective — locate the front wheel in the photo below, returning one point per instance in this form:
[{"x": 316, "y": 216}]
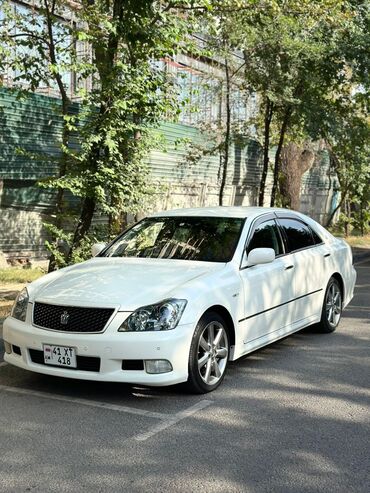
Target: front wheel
[
  {"x": 209, "y": 352},
  {"x": 332, "y": 308}
]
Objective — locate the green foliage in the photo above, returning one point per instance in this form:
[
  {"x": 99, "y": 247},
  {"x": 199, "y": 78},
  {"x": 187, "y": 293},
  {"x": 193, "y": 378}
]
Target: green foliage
[
  {"x": 347, "y": 132},
  {"x": 305, "y": 60},
  {"x": 115, "y": 49},
  {"x": 25, "y": 42},
  {"x": 60, "y": 249},
  {"x": 131, "y": 93}
]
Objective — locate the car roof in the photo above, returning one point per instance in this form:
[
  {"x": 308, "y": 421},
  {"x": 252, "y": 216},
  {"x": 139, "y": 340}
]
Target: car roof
[{"x": 219, "y": 211}]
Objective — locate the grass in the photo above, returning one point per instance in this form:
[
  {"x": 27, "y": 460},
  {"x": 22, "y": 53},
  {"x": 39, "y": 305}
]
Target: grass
[
  {"x": 11, "y": 281},
  {"x": 18, "y": 275},
  {"x": 355, "y": 240},
  {"x": 359, "y": 241}
]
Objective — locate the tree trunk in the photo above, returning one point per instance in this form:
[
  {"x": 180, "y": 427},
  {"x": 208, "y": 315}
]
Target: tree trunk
[
  {"x": 295, "y": 161},
  {"x": 283, "y": 130},
  {"x": 347, "y": 214},
  {"x": 84, "y": 223},
  {"x": 266, "y": 147},
  {"x": 105, "y": 57},
  {"x": 89, "y": 202},
  {"x": 65, "y": 131},
  {"x": 331, "y": 217},
  {"x": 227, "y": 135},
  {"x": 62, "y": 171},
  {"x": 344, "y": 185}
]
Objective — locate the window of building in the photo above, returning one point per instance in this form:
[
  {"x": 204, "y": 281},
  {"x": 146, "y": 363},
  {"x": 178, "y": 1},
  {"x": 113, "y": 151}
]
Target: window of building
[{"x": 34, "y": 22}]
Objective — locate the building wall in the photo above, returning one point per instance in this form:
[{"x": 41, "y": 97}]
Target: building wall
[{"x": 31, "y": 124}]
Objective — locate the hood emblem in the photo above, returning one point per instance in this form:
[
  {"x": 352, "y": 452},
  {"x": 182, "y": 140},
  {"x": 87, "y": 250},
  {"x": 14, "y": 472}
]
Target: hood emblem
[{"x": 64, "y": 318}]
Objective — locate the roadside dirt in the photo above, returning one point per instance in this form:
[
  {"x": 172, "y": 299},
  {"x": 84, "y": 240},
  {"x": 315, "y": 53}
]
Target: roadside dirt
[
  {"x": 8, "y": 292},
  {"x": 5, "y": 307}
]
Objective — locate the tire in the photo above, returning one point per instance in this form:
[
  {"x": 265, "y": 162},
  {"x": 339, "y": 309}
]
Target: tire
[
  {"x": 332, "y": 307},
  {"x": 208, "y": 356}
]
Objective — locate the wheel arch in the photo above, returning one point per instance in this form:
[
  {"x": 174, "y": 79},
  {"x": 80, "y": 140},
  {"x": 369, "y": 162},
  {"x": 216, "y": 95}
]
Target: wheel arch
[
  {"x": 339, "y": 278},
  {"x": 225, "y": 314}
]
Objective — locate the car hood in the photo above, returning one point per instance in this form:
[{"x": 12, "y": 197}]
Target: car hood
[{"x": 126, "y": 283}]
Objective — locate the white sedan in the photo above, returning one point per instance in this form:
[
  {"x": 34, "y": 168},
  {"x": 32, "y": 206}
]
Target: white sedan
[{"x": 181, "y": 293}]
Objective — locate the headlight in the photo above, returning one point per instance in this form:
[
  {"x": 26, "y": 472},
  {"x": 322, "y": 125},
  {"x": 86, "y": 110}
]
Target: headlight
[
  {"x": 19, "y": 309},
  {"x": 161, "y": 316}
]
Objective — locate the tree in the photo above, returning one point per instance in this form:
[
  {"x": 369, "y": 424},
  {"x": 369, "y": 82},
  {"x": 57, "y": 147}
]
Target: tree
[
  {"x": 348, "y": 143},
  {"x": 295, "y": 161},
  {"x": 131, "y": 94},
  {"x": 293, "y": 61},
  {"x": 39, "y": 49},
  {"x": 223, "y": 86}
]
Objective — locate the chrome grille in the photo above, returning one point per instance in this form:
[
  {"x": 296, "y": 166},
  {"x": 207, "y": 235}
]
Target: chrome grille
[{"x": 71, "y": 318}]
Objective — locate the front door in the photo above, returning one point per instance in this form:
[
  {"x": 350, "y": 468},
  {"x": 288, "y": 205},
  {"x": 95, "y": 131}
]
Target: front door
[{"x": 267, "y": 288}]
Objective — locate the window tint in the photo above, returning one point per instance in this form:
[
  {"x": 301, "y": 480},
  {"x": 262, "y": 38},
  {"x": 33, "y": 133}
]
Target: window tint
[
  {"x": 209, "y": 239},
  {"x": 266, "y": 235},
  {"x": 316, "y": 237},
  {"x": 298, "y": 234}
]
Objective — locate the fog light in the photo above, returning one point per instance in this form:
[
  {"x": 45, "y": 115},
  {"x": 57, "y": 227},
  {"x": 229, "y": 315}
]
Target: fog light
[
  {"x": 8, "y": 347},
  {"x": 157, "y": 366}
]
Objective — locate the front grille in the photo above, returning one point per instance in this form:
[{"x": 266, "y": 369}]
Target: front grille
[
  {"x": 84, "y": 363},
  {"x": 71, "y": 318}
]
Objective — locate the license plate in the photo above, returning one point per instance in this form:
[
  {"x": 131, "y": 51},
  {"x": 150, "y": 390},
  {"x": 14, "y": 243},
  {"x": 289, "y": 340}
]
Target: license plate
[{"x": 60, "y": 356}]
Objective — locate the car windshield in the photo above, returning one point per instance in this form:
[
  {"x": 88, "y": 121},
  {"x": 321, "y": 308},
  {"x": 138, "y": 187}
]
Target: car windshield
[{"x": 209, "y": 239}]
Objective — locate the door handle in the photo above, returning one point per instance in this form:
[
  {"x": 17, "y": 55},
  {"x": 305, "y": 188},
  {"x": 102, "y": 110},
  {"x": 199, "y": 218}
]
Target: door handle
[
  {"x": 289, "y": 267},
  {"x": 327, "y": 255}
]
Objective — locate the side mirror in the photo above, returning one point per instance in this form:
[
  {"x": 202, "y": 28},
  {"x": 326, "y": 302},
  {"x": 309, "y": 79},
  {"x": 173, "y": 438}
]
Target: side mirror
[
  {"x": 97, "y": 248},
  {"x": 259, "y": 256}
]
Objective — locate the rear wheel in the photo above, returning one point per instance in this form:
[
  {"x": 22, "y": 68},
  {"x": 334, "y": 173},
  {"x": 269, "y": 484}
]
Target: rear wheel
[
  {"x": 332, "y": 308},
  {"x": 209, "y": 354}
]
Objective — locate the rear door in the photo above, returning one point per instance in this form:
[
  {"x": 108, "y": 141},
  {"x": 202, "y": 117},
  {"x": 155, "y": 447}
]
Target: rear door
[
  {"x": 267, "y": 288},
  {"x": 307, "y": 253}
]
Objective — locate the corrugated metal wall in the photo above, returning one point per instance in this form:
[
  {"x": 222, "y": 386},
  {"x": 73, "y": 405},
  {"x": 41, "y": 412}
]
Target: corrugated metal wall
[{"x": 31, "y": 124}]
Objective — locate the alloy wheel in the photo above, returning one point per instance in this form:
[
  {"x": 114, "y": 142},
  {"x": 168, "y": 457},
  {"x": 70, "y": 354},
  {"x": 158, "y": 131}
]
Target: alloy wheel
[
  {"x": 333, "y": 304},
  {"x": 213, "y": 351}
]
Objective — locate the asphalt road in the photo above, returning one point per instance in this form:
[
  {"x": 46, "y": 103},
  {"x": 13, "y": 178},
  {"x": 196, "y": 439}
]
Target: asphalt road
[{"x": 292, "y": 417}]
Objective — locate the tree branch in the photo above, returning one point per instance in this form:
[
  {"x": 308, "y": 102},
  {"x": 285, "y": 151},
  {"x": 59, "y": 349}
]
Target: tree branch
[{"x": 29, "y": 35}]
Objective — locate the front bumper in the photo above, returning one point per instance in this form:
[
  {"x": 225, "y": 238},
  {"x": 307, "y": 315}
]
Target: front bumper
[{"x": 111, "y": 347}]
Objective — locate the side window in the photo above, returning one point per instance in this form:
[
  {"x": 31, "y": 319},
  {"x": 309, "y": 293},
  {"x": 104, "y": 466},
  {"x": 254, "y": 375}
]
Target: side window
[
  {"x": 299, "y": 235},
  {"x": 316, "y": 237},
  {"x": 266, "y": 235}
]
